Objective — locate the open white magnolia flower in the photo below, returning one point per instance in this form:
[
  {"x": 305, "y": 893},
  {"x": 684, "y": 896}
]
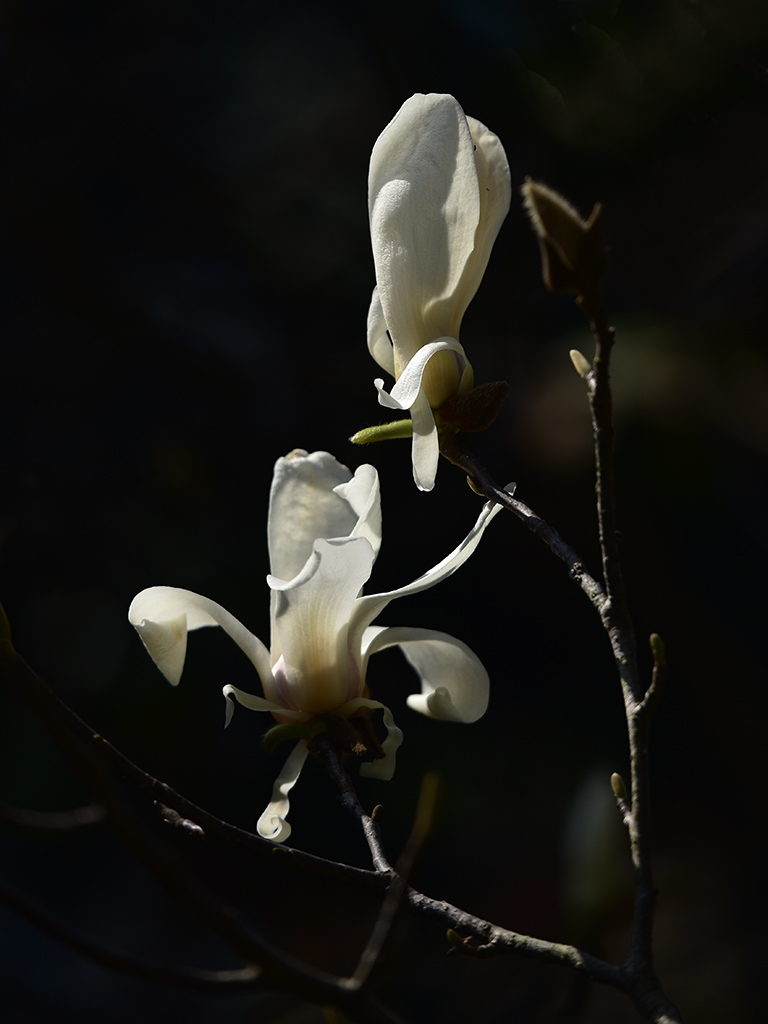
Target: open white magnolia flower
[
  {"x": 438, "y": 191},
  {"x": 324, "y": 533}
]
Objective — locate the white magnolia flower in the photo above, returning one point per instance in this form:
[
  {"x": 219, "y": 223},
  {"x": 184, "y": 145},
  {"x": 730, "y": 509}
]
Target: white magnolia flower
[
  {"x": 324, "y": 533},
  {"x": 438, "y": 191}
]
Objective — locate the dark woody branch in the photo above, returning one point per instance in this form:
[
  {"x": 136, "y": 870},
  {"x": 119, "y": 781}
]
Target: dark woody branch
[{"x": 468, "y": 933}]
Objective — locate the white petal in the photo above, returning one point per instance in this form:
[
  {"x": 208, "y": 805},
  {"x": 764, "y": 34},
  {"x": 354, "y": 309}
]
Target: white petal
[
  {"x": 385, "y": 398},
  {"x": 454, "y": 683},
  {"x": 425, "y": 448},
  {"x": 367, "y": 608},
  {"x": 408, "y": 385},
  {"x": 162, "y": 617},
  {"x": 303, "y": 506},
  {"x": 424, "y": 207},
  {"x": 379, "y": 344},
  {"x": 495, "y": 194},
  {"x": 363, "y": 495},
  {"x": 312, "y": 615},
  {"x": 272, "y": 824},
  {"x": 314, "y": 496},
  {"x": 249, "y": 700}
]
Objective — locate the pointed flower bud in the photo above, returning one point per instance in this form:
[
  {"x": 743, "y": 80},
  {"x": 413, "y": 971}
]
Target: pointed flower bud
[
  {"x": 572, "y": 254},
  {"x": 438, "y": 191}
]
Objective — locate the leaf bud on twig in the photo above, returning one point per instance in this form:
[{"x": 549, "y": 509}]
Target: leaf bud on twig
[
  {"x": 618, "y": 787},
  {"x": 572, "y": 254},
  {"x": 658, "y": 651},
  {"x": 581, "y": 364}
]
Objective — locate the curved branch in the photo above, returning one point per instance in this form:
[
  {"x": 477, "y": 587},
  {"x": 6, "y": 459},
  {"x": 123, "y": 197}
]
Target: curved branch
[{"x": 483, "y": 483}]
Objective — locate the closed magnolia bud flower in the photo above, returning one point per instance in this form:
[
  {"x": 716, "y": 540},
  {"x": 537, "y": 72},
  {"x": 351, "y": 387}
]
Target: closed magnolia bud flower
[{"x": 572, "y": 254}]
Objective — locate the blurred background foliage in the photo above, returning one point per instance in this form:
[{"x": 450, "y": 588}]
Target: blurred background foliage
[{"x": 185, "y": 280}]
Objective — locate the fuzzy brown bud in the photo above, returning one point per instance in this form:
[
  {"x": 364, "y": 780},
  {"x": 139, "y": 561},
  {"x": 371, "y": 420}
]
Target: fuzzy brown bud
[
  {"x": 475, "y": 410},
  {"x": 572, "y": 253}
]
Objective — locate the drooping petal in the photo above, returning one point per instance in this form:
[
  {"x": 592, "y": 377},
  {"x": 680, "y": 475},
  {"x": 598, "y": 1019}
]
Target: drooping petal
[
  {"x": 454, "y": 683},
  {"x": 162, "y": 617},
  {"x": 406, "y": 390},
  {"x": 272, "y": 824},
  {"x": 367, "y": 608},
  {"x": 424, "y": 207},
  {"x": 319, "y": 669},
  {"x": 425, "y": 447},
  {"x": 379, "y": 344},
  {"x": 383, "y": 767},
  {"x": 254, "y": 703}
]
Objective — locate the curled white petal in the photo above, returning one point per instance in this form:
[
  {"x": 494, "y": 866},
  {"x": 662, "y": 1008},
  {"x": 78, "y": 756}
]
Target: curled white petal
[
  {"x": 250, "y": 700},
  {"x": 407, "y": 388},
  {"x": 363, "y": 495},
  {"x": 272, "y": 824},
  {"x": 162, "y": 617},
  {"x": 454, "y": 682},
  {"x": 408, "y": 385},
  {"x": 385, "y": 398},
  {"x": 367, "y": 608}
]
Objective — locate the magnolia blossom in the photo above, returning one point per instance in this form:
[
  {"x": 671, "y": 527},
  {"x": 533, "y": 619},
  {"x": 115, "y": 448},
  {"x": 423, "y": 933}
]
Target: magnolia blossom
[
  {"x": 324, "y": 533},
  {"x": 438, "y": 190}
]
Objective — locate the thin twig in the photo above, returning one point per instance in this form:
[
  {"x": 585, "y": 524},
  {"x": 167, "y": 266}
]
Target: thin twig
[
  {"x": 50, "y": 706},
  {"x": 618, "y": 622},
  {"x": 482, "y": 937},
  {"x": 329, "y": 755},
  {"x": 482, "y": 482},
  {"x": 278, "y": 969},
  {"x": 422, "y": 823},
  {"x": 635, "y": 976},
  {"x": 615, "y": 615}
]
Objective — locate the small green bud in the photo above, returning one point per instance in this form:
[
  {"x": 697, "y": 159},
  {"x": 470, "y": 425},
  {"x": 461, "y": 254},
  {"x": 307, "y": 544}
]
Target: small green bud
[{"x": 383, "y": 432}]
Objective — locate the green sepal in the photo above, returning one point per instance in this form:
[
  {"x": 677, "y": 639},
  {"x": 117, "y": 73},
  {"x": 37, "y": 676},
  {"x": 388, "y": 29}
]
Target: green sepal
[
  {"x": 294, "y": 731},
  {"x": 285, "y": 731},
  {"x": 383, "y": 432}
]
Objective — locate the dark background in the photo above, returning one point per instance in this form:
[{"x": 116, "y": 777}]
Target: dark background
[{"x": 185, "y": 280}]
